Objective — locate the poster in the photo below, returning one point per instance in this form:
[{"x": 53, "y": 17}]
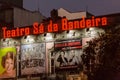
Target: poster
[
  {"x": 67, "y": 54},
  {"x": 8, "y": 62},
  {"x": 67, "y": 59},
  {"x": 33, "y": 58}
]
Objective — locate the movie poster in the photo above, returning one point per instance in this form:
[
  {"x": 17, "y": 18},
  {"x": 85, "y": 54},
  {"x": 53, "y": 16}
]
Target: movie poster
[
  {"x": 33, "y": 58},
  {"x": 67, "y": 54},
  {"x": 8, "y": 62}
]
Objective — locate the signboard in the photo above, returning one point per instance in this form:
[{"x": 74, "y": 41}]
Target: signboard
[
  {"x": 63, "y": 25},
  {"x": 33, "y": 58},
  {"x": 68, "y": 44},
  {"x": 8, "y": 62}
]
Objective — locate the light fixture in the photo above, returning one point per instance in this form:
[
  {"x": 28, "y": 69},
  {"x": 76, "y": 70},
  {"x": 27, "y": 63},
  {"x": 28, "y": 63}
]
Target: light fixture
[
  {"x": 45, "y": 34},
  {"x": 73, "y": 34},
  {"x": 87, "y": 29},
  {"x": 25, "y": 37},
  {"x": 67, "y": 31},
  {"x": 54, "y": 35}
]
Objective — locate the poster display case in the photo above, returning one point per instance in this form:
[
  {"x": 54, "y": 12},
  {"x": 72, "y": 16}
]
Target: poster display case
[
  {"x": 33, "y": 58},
  {"x": 8, "y": 62}
]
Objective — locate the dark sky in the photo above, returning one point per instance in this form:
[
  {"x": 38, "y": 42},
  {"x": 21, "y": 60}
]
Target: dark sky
[{"x": 96, "y": 7}]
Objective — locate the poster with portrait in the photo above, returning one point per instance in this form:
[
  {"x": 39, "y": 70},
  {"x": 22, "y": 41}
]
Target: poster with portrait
[
  {"x": 8, "y": 62},
  {"x": 67, "y": 54},
  {"x": 33, "y": 58},
  {"x": 67, "y": 58}
]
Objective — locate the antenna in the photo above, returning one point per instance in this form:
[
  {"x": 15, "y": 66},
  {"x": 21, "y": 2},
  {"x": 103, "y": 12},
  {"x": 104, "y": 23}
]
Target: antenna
[
  {"x": 86, "y": 8},
  {"x": 38, "y": 5}
]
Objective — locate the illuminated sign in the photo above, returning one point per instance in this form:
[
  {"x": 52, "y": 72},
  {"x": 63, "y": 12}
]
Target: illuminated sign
[
  {"x": 55, "y": 27},
  {"x": 84, "y": 23},
  {"x": 67, "y": 45},
  {"x": 15, "y": 32}
]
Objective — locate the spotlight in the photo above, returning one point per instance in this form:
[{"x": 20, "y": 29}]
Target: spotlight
[
  {"x": 3, "y": 39},
  {"x": 25, "y": 37},
  {"x": 67, "y": 32},
  {"x": 45, "y": 34},
  {"x": 87, "y": 29},
  {"x": 54, "y": 35},
  {"x": 73, "y": 34}
]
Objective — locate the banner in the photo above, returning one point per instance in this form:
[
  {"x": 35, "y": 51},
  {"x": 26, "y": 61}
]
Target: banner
[
  {"x": 8, "y": 62},
  {"x": 33, "y": 58}
]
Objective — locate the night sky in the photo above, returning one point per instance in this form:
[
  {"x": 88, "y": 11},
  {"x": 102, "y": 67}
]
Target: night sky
[{"x": 96, "y": 7}]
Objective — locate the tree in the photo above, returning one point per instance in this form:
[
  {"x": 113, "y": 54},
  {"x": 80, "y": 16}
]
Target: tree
[{"x": 102, "y": 56}]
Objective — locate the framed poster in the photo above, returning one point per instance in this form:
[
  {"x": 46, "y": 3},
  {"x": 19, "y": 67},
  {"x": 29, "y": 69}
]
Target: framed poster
[
  {"x": 8, "y": 62},
  {"x": 33, "y": 58},
  {"x": 67, "y": 59},
  {"x": 67, "y": 54}
]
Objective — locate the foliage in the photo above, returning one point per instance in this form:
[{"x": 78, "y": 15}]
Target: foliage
[{"x": 102, "y": 56}]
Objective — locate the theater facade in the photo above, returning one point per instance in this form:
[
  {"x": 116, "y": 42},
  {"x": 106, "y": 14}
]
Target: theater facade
[{"x": 53, "y": 46}]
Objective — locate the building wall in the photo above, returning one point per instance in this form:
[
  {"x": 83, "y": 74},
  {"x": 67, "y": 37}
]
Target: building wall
[
  {"x": 26, "y": 18},
  {"x": 9, "y": 16},
  {"x": 6, "y": 17},
  {"x": 13, "y": 2},
  {"x": 70, "y": 16}
]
